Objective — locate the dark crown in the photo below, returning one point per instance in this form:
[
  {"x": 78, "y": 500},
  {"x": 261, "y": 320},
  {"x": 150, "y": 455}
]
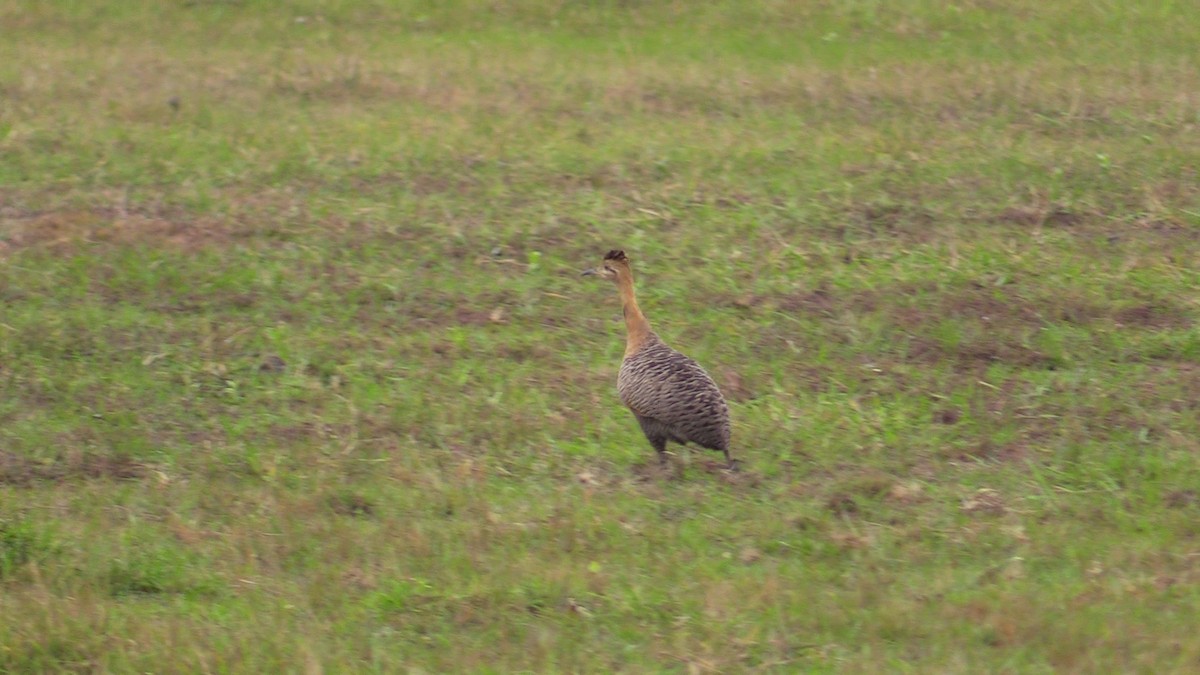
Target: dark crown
[{"x": 616, "y": 255}]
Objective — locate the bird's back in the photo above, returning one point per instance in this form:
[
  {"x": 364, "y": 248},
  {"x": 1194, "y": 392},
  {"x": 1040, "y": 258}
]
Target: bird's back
[{"x": 659, "y": 383}]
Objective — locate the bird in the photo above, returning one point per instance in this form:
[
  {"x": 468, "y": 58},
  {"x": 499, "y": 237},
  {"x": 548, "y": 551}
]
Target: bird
[{"x": 672, "y": 397}]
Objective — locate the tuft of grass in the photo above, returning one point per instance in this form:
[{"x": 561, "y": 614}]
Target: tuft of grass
[
  {"x": 23, "y": 542},
  {"x": 150, "y": 569}
]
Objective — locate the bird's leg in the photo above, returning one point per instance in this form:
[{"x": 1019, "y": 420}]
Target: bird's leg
[
  {"x": 673, "y": 470},
  {"x": 675, "y": 464},
  {"x": 661, "y": 448},
  {"x": 731, "y": 463}
]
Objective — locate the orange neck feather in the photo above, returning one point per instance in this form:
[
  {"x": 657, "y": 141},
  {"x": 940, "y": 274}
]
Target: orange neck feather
[{"x": 637, "y": 328}]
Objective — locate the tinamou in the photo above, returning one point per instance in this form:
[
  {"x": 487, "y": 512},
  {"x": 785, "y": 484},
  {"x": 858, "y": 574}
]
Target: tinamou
[{"x": 671, "y": 396}]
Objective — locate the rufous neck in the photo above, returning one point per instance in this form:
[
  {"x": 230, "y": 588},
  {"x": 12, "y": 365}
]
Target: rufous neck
[{"x": 637, "y": 328}]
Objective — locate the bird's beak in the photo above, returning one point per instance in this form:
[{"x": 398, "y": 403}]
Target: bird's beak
[{"x": 589, "y": 272}]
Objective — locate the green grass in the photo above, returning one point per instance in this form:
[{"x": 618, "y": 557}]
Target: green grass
[{"x": 299, "y": 375}]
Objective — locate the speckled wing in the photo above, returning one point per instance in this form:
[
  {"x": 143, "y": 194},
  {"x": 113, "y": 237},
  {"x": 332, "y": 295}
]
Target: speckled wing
[{"x": 660, "y": 383}]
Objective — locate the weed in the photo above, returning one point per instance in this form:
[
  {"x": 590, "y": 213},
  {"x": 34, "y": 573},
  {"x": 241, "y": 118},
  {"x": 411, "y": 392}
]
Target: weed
[{"x": 23, "y": 542}]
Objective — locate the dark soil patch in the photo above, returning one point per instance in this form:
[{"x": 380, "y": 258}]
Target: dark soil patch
[
  {"x": 272, "y": 363},
  {"x": 998, "y": 308},
  {"x": 418, "y": 184},
  {"x": 988, "y": 450},
  {"x": 521, "y": 353},
  {"x": 654, "y": 471},
  {"x": 978, "y": 354},
  {"x": 439, "y": 309},
  {"x": 819, "y": 301},
  {"x": 947, "y": 416},
  {"x": 842, "y": 504},
  {"x": 1180, "y": 499},
  {"x": 19, "y": 470},
  {"x": 823, "y": 301},
  {"x": 1164, "y": 229},
  {"x": 1040, "y": 215},
  {"x": 62, "y": 230},
  {"x": 895, "y": 218},
  {"x": 468, "y": 317},
  {"x": 352, "y": 505},
  {"x": 914, "y": 306},
  {"x": 1152, "y": 315},
  {"x": 734, "y": 386},
  {"x": 984, "y": 501},
  {"x": 676, "y": 469},
  {"x": 304, "y": 432}
]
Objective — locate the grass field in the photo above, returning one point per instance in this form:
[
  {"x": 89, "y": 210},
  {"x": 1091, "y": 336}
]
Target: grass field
[{"x": 297, "y": 372}]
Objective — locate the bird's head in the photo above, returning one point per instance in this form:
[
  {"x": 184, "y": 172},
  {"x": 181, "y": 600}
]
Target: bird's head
[{"x": 614, "y": 266}]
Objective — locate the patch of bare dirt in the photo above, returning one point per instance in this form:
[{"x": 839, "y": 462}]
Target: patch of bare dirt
[
  {"x": 1000, "y": 308},
  {"x": 947, "y": 416},
  {"x": 734, "y": 386},
  {"x": 419, "y": 184},
  {"x": 996, "y": 452},
  {"x": 824, "y": 301},
  {"x": 1165, "y": 228},
  {"x": 912, "y": 305},
  {"x": 915, "y": 306},
  {"x": 19, "y": 470},
  {"x": 351, "y": 505},
  {"x": 63, "y": 230},
  {"x": 1181, "y": 499},
  {"x": 899, "y": 217},
  {"x": 847, "y": 489},
  {"x": 978, "y": 354},
  {"x": 984, "y": 501},
  {"x": 439, "y": 309},
  {"x": 675, "y": 469},
  {"x": 910, "y": 492},
  {"x": 654, "y": 471},
  {"x": 819, "y": 301},
  {"x": 842, "y": 504},
  {"x": 983, "y": 305},
  {"x": 472, "y": 317},
  {"x": 522, "y": 353},
  {"x": 1152, "y": 315},
  {"x": 1039, "y": 215},
  {"x": 305, "y": 432}
]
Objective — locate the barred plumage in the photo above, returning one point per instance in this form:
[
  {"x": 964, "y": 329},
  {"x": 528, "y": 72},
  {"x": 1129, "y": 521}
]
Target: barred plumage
[{"x": 672, "y": 397}]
